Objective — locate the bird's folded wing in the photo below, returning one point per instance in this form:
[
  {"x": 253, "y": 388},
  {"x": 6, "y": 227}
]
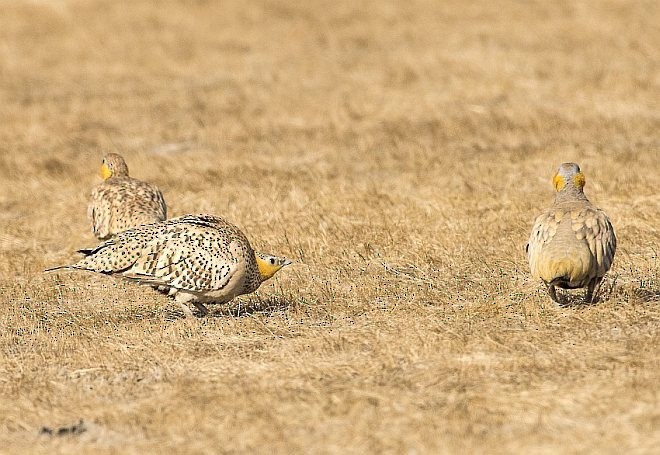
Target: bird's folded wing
[
  {"x": 599, "y": 235},
  {"x": 115, "y": 255},
  {"x": 149, "y": 199},
  {"x": 99, "y": 212},
  {"x": 545, "y": 228},
  {"x": 160, "y": 202},
  {"x": 183, "y": 265}
]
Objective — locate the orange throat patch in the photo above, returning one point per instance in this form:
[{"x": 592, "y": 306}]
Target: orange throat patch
[
  {"x": 106, "y": 173},
  {"x": 578, "y": 180},
  {"x": 558, "y": 182}
]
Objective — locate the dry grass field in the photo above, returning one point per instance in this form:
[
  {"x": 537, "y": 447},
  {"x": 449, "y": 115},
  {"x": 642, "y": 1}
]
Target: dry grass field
[{"x": 398, "y": 152}]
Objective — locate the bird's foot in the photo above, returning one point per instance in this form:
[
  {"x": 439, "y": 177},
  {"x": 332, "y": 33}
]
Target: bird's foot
[{"x": 202, "y": 309}]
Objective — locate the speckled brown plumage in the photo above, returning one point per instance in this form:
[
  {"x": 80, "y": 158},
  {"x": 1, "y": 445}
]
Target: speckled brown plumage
[
  {"x": 572, "y": 244},
  {"x": 122, "y": 202},
  {"x": 198, "y": 258}
]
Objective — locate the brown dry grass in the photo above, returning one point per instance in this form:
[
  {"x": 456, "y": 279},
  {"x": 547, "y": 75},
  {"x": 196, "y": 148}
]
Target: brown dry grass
[{"x": 399, "y": 153}]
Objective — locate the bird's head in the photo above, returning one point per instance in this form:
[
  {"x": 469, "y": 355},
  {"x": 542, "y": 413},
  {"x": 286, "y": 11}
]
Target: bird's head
[
  {"x": 113, "y": 166},
  {"x": 269, "y": 265},
  {"x": 568, "y": 175}
]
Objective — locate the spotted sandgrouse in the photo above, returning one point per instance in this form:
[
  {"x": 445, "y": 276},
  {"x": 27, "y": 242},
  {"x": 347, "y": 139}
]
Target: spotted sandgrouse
[{"x": 197, "y": 258}]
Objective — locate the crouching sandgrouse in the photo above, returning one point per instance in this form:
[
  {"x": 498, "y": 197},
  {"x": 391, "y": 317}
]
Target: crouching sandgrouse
[{"x": 197, "y": 258}]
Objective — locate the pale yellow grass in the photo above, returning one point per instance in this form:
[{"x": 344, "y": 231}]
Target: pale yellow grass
[{"x": 398, "y": 151}]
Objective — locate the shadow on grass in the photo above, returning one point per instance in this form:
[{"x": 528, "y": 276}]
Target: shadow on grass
[
  {"x": 637, "y": 295},
  {"x": 71, "y": 430},
  {"x": 647, "y": 295},
  {"x": 241, "y": 308},
  {"x": 575, "y": 301},
  {"x": 254, "y": 305}
]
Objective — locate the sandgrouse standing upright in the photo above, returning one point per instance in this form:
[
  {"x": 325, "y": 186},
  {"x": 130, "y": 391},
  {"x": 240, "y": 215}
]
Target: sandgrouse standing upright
[
  {"x": 121, "y": 202},
  {"x": 197, "y": 258},
  {"x": 573, "y": 243}
]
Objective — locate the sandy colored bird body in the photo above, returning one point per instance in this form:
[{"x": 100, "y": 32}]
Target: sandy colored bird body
[
  {"x": 197, "y": 258},
  {"x": 572, "y": 244},
  {"x": 121, "y": 202}
]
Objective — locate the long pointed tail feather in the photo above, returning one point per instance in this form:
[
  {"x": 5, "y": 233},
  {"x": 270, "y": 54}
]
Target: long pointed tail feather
[
  {"x": 60, "y": 267},
  {"x": 85, "y": 251}
]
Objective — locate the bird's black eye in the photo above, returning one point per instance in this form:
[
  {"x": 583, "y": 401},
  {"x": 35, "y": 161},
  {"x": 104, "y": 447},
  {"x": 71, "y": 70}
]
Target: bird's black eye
[{"x": 272, "y": 261}]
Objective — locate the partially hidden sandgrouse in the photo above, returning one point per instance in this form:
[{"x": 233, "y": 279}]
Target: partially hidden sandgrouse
[
  {"x": 572, "y": 244},
  {"x": 197, "y": 258},
  {"x": 121, "y": 202}
]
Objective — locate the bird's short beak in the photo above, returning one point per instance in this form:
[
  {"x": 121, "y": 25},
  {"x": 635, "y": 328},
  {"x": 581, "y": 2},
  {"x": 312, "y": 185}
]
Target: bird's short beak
[{"x": 287, "y": 262}]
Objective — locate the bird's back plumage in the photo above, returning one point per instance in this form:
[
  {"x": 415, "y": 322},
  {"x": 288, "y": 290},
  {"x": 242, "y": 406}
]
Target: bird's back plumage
[{"x": 122, "y": 202}]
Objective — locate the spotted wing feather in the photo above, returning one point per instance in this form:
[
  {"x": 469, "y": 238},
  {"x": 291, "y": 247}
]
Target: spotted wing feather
[
  {"x": 193, "y": 253},
  {"x": 98, "y": 212},
  {"x": 596, "y": 229},
  {"x": 112, "y": 256},
  {"x": 544, "y": 230},
  {"x": 186, "y": 263}
]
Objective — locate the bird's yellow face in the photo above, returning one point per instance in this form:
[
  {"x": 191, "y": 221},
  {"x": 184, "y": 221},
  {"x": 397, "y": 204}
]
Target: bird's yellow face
[
  {"x": 578, "y": 180},
  {"x": 113, "y": 166},
  {"x": 568, "y": 173},
  {"x": 558, "y": 182},
  {"x": 269, "y": 265},
  {"x": 106, "y": 172}
]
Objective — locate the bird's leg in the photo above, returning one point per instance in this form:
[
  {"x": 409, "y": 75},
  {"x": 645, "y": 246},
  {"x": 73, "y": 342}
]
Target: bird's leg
[
  {"x": 589, "y": 295},
  {"x": 186, "y": 310},
  {"x": 201, "y": 308},
  {"x": 162, "y": 289},
  {"x": 553, "y": 293},
  {"x": 592, "y": 290},
  {"x": 182, "y": 298}
]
